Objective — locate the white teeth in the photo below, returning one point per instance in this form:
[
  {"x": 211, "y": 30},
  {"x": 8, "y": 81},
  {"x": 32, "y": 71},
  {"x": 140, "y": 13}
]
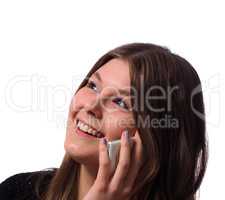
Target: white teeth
[
  {"x": 91, "y": 131},
  {"x": 86, "y": 128}
]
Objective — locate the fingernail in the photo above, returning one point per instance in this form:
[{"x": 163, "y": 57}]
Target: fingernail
[
  {"x": 104, "y": 141},
  {"x": 126, "y": 134}
]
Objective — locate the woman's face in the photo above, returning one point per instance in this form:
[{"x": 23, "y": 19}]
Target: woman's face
[{"x": 102, "y": 105}]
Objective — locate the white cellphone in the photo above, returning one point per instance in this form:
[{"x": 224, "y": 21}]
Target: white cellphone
[{"x": 113, "y": 151}]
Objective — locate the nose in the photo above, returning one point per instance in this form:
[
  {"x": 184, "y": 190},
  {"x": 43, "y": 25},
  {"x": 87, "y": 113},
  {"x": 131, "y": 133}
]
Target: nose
[{"x": 94, "y": 108}]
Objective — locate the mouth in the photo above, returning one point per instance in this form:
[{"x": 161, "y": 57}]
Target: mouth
[{"x": 84, "y": 128}]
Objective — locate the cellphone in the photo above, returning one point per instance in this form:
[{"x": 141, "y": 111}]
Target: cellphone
[{"x": 113, "y": 152}]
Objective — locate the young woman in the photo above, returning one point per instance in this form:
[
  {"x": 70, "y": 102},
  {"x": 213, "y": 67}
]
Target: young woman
[{"x": 152, "y": 100}]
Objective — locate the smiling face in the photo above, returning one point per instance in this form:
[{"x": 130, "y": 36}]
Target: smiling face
[{"x": 103, "y": 104}]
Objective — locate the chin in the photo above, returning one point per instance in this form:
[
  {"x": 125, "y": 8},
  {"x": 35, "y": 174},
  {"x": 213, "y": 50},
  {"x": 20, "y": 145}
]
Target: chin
[{"x": 82, "y": 154}]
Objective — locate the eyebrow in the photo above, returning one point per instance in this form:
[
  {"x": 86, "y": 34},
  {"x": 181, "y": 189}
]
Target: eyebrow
[{"x": 122, "y": 91}]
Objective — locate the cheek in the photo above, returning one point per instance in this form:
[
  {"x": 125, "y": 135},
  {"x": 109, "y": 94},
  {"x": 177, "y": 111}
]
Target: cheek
[
  {"x": 116, "y": 123},
  {"x": 79, "y": 99}
]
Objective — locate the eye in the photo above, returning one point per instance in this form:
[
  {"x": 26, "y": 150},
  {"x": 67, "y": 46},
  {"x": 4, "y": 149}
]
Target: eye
[
  {"x": 91, "y": 84},
  {"x": 121, "y": 103}
]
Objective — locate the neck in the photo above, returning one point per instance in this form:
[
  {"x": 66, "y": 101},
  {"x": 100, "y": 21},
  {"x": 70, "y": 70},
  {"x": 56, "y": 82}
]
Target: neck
[{"x": 86, "y": 180}]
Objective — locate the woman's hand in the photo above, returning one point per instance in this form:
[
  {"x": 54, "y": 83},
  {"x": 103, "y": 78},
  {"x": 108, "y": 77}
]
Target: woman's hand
[{"x": 119, "y": 185}]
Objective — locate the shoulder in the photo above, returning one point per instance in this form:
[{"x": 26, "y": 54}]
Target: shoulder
[{"x": 22, "y": 185}]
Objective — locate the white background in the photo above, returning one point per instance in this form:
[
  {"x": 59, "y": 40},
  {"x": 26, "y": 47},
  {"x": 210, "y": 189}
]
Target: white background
[{"x": 46, "y": 48}]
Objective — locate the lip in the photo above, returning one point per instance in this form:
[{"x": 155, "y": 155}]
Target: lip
[{"x": 76, "y": 121}]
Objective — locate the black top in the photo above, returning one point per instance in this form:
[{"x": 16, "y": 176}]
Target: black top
[{"x": 22, "y": 186}]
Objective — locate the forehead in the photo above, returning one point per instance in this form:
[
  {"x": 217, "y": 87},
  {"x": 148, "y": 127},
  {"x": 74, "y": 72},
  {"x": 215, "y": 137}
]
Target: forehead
[{"x": 115, "y": 73}]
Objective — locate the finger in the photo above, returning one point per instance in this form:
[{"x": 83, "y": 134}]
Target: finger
[
  {"x": 136, "y": 159},
  {"x": 124, "y": 162},
  {"x": 104, "y": 164}
]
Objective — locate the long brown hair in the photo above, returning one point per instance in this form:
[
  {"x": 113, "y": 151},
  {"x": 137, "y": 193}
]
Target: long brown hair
[{"x": 175, "y": 155}]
